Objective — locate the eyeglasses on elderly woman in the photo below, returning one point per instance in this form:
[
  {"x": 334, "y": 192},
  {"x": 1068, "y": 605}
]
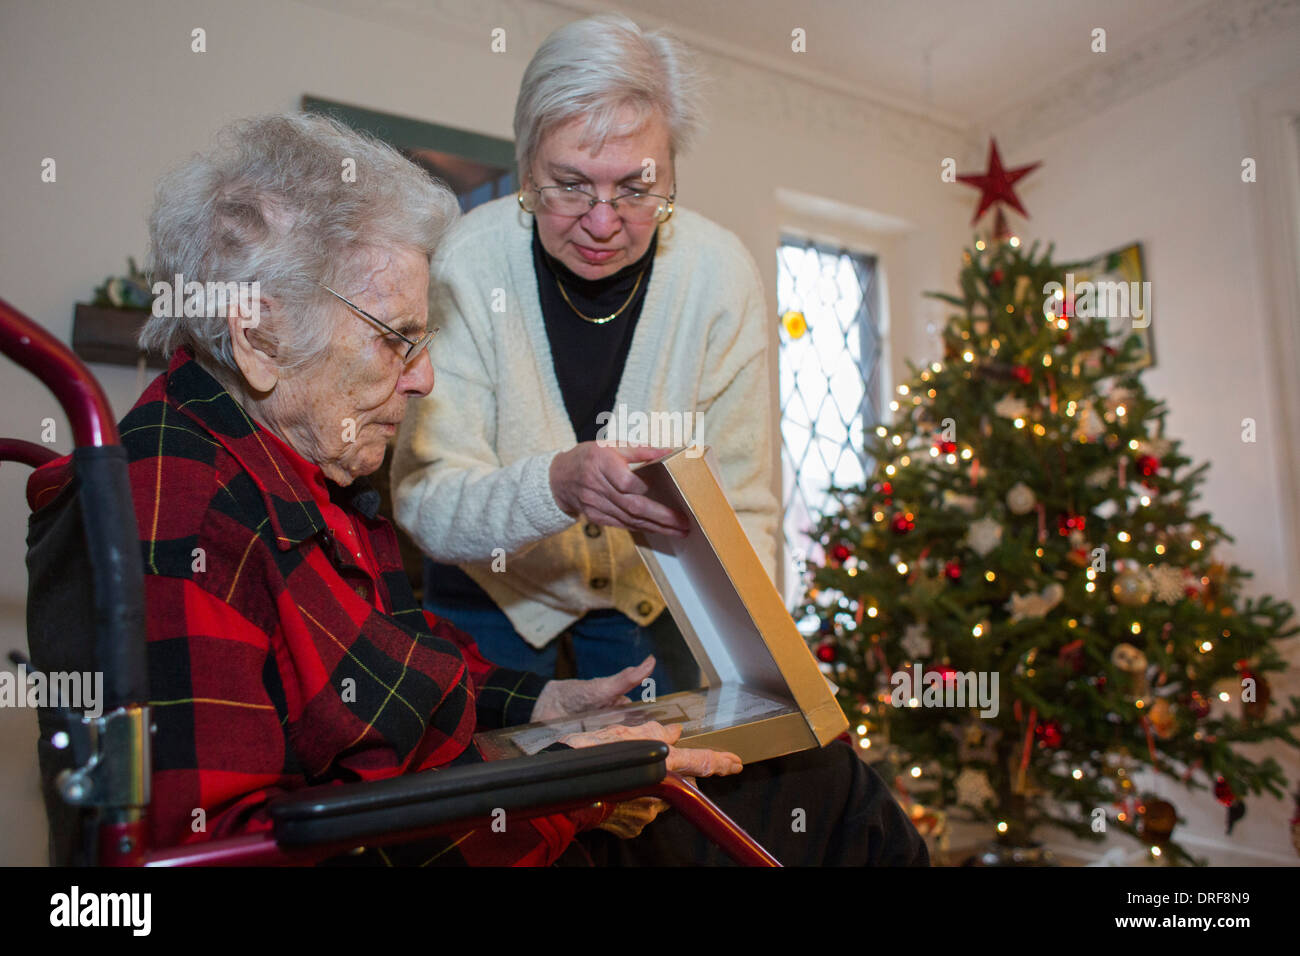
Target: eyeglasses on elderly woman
[{"x": 414, "y": 347}]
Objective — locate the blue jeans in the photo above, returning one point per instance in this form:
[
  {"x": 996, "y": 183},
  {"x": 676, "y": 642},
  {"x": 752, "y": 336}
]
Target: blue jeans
[{"x": 604, "y": 642}]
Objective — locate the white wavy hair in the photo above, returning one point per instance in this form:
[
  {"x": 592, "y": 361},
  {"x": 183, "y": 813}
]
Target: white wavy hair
[
  {"x": 269, "y": 203},
  {"x": 594, "y": 68}
]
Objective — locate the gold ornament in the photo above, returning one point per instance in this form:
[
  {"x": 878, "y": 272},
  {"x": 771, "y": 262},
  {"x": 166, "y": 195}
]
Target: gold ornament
[
  {"x": 1162, "y": 718},
  {"x": 1128, "y": 659},
  {"x": 1156, "y": 820},
  {"x": 1131, "y": 589}
]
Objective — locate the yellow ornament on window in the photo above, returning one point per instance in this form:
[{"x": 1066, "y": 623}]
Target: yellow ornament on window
[{"x": 794, "y": 323}]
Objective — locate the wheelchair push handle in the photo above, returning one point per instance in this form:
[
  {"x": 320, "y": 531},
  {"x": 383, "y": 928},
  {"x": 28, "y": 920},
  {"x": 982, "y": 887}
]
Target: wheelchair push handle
[{"x": 112, "y": 539}]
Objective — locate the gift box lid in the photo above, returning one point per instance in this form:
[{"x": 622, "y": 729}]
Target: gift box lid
[{"x": 720, "y": 596}]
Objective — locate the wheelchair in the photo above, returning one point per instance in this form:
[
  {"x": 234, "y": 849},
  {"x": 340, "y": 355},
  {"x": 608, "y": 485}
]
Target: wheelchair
[{"x": 95, "y": 771}]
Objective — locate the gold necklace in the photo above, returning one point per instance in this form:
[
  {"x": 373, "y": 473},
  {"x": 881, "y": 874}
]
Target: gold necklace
[{"x": 607, "y": 318}]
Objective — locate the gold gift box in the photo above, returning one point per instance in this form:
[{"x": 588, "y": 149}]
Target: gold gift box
[{"x": 763, "y": 694}]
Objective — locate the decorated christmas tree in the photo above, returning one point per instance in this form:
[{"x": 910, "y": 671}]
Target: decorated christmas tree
[{"x": 1023, "y": 606}]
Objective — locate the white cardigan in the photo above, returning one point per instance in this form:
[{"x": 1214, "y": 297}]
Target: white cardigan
[{"x": 471, "y": 473}]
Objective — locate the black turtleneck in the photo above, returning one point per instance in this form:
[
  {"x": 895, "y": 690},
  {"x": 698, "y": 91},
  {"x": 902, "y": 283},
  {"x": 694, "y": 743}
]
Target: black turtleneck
[{"x": 589, "y": 358}]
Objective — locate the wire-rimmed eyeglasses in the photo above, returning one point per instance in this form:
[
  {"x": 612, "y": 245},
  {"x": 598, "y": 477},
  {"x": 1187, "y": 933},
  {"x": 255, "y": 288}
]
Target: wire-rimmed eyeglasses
[
  {"x": 575, "y": 201},
  {"x": 414, "y": 348}
]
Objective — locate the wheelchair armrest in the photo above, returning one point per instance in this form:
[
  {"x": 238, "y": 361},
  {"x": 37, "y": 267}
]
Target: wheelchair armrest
[{"x": 332, "y": 814}]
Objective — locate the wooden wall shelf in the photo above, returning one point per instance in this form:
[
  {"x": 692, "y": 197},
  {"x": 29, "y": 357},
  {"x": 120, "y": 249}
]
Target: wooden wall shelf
[{"x": 109, "y": 335}]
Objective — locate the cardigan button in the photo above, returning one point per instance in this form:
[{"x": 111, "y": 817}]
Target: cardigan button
[
  {"x": 644, "y": 608},
  {"x": 592, "y": 530},
  {"x": 599, "y": 583}
]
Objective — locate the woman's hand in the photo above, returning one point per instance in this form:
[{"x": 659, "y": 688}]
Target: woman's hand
[
  {"x": 565, "y": 698},
  {"x": 630, "y": 817},
  {"x": 684, "y": 760},
  {"x": 594, "y": 481}
]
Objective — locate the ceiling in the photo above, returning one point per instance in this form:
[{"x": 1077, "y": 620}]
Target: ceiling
[{"x": 957, "y": 61}]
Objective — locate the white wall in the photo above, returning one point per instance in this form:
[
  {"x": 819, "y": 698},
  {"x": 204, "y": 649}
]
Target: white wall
[
  {"x": 113, "y": 93},
  {"x": 1165, "y": 168}
]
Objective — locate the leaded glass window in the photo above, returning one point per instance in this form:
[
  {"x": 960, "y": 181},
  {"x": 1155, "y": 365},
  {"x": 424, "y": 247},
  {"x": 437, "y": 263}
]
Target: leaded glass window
[{"x": 829, "y": 378}]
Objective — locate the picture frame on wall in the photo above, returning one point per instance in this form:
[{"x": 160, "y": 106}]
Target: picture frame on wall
[
  {"x": 476, "y": 167},
  {"x": 1121, "y": 293}
]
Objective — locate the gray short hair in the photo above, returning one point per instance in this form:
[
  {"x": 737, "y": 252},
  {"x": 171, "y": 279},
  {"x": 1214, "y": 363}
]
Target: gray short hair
[
  {"x": 272, "y": 203},
  {"x": 595, "y": 67}
]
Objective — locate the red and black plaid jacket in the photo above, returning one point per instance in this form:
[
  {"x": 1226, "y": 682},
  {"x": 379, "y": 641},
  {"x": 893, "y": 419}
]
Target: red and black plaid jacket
[{"x": 270, "y": 665}]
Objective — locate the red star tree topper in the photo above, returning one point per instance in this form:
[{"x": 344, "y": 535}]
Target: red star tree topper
[{"x": 997, "y": 185}]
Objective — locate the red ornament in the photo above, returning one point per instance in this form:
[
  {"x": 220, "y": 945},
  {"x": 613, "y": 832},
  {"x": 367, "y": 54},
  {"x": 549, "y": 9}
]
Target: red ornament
[
  {"x": 952, "y": 570},
  {"x": 946, "y": 447},
  {"x": 826, "y": 652},
  {"x": 1070, "y": 522},
  {"x": 1198, "y": 705},
  {"x": 1071, "y": 656},
  {"x": 946, "y": 672},
  {"x": 1223, "y": 793},
  {"x": 1022, "y": 373},
  {"x": 840, "y": 553},
  {"x": 995, "y": 278},
  {"x": 1147, "y": 465},
  {"x": 1049, "y": 733},
  {"x": 902, "y": 523},
  {"x": 996, "y": 184}
]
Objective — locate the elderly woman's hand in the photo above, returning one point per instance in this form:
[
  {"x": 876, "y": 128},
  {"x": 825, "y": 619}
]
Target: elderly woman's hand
[
  {"x": 566, "y": 698},
  {"x": 594, "y": 481}
]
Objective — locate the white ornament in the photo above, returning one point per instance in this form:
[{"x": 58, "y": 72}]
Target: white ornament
[
  {"x": 1167, "y": 582},
  {"x": 827, "y": 596},
  {"x": 1090, "y": 424},
  {"x": 1011, "y": 407},
  {"x": 984, "y": 535},
  {"x": 973, "y": 788},
  {"x": 1157, "y": 447},
  {"x": 1035, "y": 605},
  {"x": 1021, "y": 499},
  {"x": 1100, "y": 478},
  {"x": 953, "y": 499},
  {"x": 915, "y": 642},
  {"x": 1118, "y": 396}
]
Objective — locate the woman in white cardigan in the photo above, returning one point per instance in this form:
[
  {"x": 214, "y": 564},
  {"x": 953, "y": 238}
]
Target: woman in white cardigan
[
  {"x": 585, "y": 303},
  {"x": 584, "y": 296}
]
